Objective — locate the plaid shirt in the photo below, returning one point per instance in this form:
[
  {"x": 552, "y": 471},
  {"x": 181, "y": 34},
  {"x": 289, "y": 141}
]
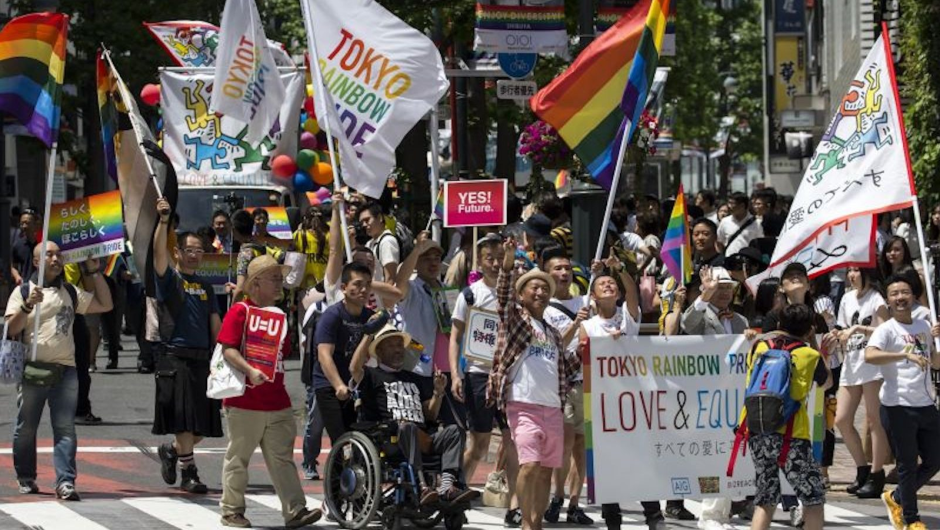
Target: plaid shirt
[{"x": 513, "y": 339}]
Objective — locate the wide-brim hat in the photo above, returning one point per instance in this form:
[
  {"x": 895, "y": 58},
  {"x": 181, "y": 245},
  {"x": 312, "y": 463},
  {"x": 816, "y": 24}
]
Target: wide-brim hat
[
  {"x": 387, "y": 332},
  {"x": 536, "y": 274},
  {"x": 264, "y": 263}
]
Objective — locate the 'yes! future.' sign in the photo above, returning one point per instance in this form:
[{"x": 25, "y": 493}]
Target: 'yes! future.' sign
[{"x": 475, "y": 203}]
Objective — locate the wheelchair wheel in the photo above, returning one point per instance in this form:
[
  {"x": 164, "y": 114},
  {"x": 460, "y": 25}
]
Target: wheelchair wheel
[{"x": 352, "y": 481}]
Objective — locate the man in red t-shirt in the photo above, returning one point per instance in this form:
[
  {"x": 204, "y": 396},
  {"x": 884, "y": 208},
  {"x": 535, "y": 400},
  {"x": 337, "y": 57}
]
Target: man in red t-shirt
[{"x": 262, "y": 415}]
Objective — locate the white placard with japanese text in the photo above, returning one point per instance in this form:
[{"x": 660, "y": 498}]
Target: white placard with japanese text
[{"x": 479, "y": 339}]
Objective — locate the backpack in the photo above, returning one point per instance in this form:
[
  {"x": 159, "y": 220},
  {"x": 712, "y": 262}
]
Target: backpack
[
  {"x": 767, "y": 402},
  {"x": 69, "y": 288},
  {"x": 405, "y": 245},
  {"x": 310, "y": 348}
]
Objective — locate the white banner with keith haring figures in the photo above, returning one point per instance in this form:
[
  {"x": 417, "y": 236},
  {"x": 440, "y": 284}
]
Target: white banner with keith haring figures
[
  {"x": 661, "y": 411},
  {"x": 860, "y": 166},
  {"x": 211, "y": 150}
]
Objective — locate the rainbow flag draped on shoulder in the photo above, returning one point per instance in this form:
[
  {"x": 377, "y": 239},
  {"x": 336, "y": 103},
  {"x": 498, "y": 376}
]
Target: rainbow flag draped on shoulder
[
  {"x": 32, "y": 67},
  {"x": 602, "y": 94},
  {"x": 676, "y": 251}
]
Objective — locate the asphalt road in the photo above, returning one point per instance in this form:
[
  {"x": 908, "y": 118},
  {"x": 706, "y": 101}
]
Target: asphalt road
[{"x": 119, "y": 474}]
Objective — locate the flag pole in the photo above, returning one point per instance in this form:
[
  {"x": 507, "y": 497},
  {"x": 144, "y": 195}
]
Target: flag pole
[
  {"x": 50, "y": 177},
  {"x": 435, "y": 135},
  {"x": 127, "y": 97},
  {"x": 618, "y": 169},
  {"x": 320, "y": 93}
]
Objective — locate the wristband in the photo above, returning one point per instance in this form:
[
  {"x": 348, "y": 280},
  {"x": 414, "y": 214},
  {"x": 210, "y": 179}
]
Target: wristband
[{"x": 26, "y": 309}]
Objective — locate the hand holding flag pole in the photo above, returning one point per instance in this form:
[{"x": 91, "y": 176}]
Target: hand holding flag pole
[{"x": 127, "y": 96}]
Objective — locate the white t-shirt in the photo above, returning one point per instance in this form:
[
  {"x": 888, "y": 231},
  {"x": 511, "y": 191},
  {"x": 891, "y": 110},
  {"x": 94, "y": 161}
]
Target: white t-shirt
[
  {"x": 484, "y": 297},
  {"x": 729, "y": 226},
  {"x": 631, "y": 241},
  {"x": 905, "y": 384},
  {"x": 56, "y": 343},
  {"x": 385, "y": 248},
  {"x": 533, "y": 378},
  {"x": 557, "y": 319},
  {"x": 598, "y": 326},
  {"x": 854, "y": 310}
]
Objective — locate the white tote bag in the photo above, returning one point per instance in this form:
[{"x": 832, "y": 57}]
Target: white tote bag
[
  {"x": 224, "y": 381},
  {"x": 12, "y": 358},
  {"x": 298, "y": 268}
]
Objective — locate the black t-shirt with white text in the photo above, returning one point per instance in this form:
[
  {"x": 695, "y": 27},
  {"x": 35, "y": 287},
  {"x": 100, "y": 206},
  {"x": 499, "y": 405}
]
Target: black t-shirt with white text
[{"x": 392, "y": 396}]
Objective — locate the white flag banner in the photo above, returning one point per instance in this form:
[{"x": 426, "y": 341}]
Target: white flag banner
[
  {"x": 207, "y": 149},
  {"x": 381, "y": 76},
  {"x": 860, "y": 166},
  {"x": 850, "y": 243},
  {"x": 194, "y": 42},
  {"x": 247, "y": 85}
]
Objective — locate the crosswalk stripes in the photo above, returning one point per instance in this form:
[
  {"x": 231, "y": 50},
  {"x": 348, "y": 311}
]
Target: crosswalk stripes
[{"x": 176, "y": 513}]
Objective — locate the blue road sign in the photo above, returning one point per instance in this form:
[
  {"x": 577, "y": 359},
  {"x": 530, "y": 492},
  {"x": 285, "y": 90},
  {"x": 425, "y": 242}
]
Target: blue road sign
[{"x": 517, "y": 65}]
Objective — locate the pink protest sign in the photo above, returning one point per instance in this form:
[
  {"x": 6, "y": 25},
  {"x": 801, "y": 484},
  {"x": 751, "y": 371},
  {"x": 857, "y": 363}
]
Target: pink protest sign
[{"x": 475, "y": 203}]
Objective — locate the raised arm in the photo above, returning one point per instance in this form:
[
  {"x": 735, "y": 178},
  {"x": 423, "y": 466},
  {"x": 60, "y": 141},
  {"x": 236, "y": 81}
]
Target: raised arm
[
  {"x": 402, "y": 279},
  {"x": 334, "y": 263},
  {"x": 161, "y": 255},
  {"x": 506, "y": 305},
  {"x": 93, "y": 282},
  {"x": 360, "y": 357}
]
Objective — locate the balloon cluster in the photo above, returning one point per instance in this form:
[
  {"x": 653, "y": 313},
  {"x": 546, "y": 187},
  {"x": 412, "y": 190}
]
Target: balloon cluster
[{"x": 321, "y": 196}]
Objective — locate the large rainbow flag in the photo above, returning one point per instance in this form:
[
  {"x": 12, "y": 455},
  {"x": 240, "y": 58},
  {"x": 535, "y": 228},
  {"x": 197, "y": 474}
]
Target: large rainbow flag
[
  {"x": 602, "y": 94},
  {"x": 676, "y": 251},
  {"x": 32, "y": 67},
  {"x": 108, "y": 111}
]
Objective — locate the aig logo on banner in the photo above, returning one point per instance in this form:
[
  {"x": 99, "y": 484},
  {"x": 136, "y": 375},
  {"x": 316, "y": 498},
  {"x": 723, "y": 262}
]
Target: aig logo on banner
[{"x": 272, "y": 326}]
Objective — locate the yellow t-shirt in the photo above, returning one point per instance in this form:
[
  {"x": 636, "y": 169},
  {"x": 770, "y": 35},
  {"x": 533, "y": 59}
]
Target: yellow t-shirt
[
  {"x": 56, "y": 342},
  {"x": 305, "y": 241},
  {"x": 803, "y": 362}
]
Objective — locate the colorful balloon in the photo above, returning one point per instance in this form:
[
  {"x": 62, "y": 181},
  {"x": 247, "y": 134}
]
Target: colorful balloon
[
  {"x": 310, "y": 90},
  {"x": 307, "y": 159},
  {"x": 302, "y": 182},
  {"x": 322, "y": 174},
  {"x": 311, "y": 126},
  {"x": 308, "y": 141},
  {"x": 283, "y": 167},
  {"x": 308, "y": 106},
  {"x": 150, "y": 94}
]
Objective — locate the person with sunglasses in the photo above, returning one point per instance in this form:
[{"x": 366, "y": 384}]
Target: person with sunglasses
[{"x": 188, "y": 325}]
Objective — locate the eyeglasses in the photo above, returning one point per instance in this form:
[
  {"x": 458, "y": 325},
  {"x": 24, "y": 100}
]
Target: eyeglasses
[{"x": 194, "y": 251}]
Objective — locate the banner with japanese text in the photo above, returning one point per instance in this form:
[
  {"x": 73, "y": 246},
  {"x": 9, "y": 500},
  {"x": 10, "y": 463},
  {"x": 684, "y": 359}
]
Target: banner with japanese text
[
  {"x": 90, "y": 227},
  {"x": 521, "y": 26},
  {"x": 216, "y": 270},
  {"x": 671, "y": 404},
  {"x": 860, "y": 167},
  {"x": 211, "y": 150}
]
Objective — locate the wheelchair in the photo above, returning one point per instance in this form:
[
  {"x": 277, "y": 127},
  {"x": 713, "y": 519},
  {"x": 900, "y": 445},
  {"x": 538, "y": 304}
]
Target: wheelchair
[{"x": 366, "y": 476}]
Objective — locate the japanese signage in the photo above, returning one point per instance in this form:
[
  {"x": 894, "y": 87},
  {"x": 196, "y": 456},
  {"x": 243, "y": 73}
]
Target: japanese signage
[
  {"x": 90, "y": 227},
  {"x": 671, "y": 404},
  {"x": 789, "y": 71},
  {"x": 506, "y": 89},
  {"x": 789, "y": 17},
  {"x": 265, "y": 330},
  {"x": 475, "y": 203},
  {"x": 479, "y": 339},
  {"x": 521, "y": 26},
  {"x": 860, "y": 167},
  {"x": 214, "y": 269}
]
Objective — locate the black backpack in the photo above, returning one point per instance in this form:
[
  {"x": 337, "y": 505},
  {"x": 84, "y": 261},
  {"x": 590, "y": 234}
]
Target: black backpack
[
  {"x": 310, "y": 349},
  {"x": 73, "y": 294}
]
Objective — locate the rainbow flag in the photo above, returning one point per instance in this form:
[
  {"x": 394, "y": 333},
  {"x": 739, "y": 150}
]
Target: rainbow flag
[
  {"x": 439, "y": 204},
  {"x": 111, "y": 265},
  {"x": 32, "y": 68},
  {"x": 108, "y": 112},
  {"x": 676, "y": 252}
]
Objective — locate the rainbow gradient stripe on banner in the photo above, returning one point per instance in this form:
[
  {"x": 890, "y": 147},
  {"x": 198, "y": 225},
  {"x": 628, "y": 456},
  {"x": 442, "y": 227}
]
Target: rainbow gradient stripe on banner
[
  {"x": 278, "y": 223},
  {"x": 90, "y": 227},
  {"x": 214, "y": 270}
]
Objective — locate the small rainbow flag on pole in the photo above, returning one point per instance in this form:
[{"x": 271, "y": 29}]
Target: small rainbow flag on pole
[
  {"x": 439, "y": 204},
  {"x": 32, "y": 67},
  {"x": 676, "y": 252}
]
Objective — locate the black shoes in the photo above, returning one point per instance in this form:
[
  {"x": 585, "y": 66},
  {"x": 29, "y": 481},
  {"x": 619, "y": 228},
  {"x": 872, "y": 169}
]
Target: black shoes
[
  {"x": 168, "y": 459},
  {"x": 553, "y": 513},
  {"x": 874, "y": 486},
  {"x": 861, "y": 477},
  {"x": 191, "y": 483},
  {"x": 678, "y": 512}
]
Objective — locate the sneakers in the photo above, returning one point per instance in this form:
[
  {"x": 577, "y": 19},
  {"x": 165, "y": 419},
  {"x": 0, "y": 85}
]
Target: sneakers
[
  {"x": 168, "y": 460},
  {"x": 311, "y": 473},
  {"x": 916, "y": 526},
  {"x": 796, "y": 517},
  {"x": 678, "y": 512},
  {"x": 88, "y": 419},
  {"x": 191, "y": 482},
  {"x": 577, "y": 516},
  {"x": 895, "y": 514},
  {"x": 553, "y": 513},
  {"x": 27, "y": 487},
  {"x": 235, "y": 520},
  {"x": 305, "y": 517},
  {"x": 513, "y": 518},
  {"x": 66, "y": 492}
]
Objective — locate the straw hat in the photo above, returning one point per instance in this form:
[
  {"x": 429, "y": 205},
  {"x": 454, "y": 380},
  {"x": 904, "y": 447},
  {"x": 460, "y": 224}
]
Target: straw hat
[
  {"x": 536, "y": 274},
  {"x": 387, "y": 332},
  {"x": 264, "y": 263}
]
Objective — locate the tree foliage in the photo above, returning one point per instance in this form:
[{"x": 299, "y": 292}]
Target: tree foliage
[{"x": 920, "y": 80}]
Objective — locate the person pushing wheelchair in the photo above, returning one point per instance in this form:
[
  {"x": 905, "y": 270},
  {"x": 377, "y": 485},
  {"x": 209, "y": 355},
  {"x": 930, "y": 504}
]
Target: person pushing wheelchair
[{"x": 388, "y": 393}]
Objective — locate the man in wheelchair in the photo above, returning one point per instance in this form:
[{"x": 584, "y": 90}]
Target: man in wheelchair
[{"x": 388, "y": 393}]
